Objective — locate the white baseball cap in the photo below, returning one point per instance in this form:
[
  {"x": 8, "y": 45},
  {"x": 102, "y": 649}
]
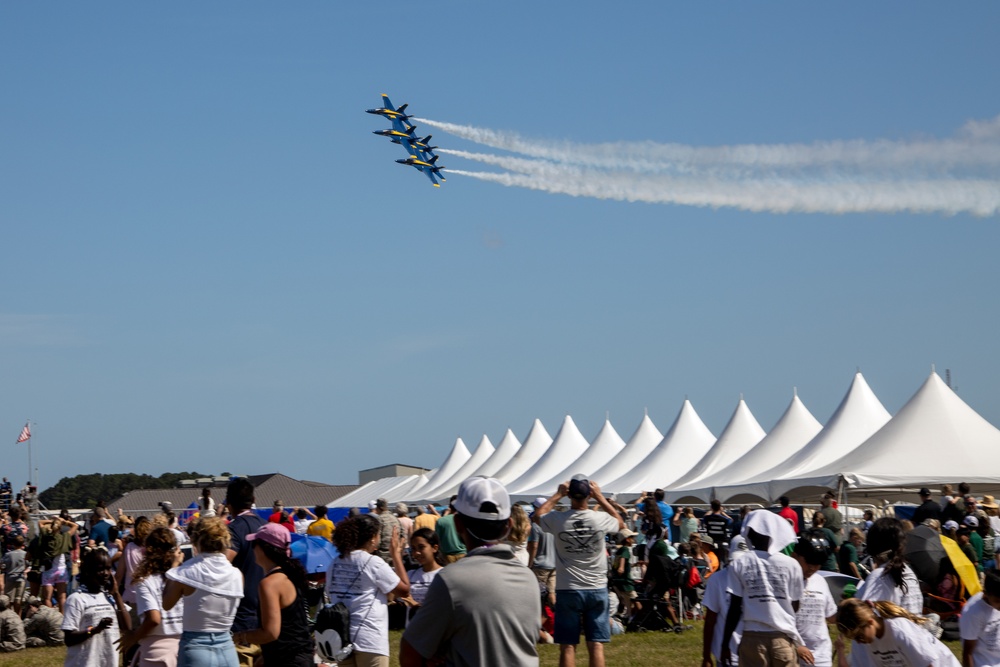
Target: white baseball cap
[{"x": 478, "y": 491}]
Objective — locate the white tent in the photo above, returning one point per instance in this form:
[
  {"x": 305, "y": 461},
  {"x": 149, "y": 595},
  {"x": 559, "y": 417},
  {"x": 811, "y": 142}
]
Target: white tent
[
  {"x": 605, "y": 447},
  {"x": 456, "y": 459},
  {"x": 505, "y": 451},
  {"x": 483, "y": 452},
  {"x": 643, "y": 441},
  {"x": 794, "y": 430},
  {"x": 740, "y": 435},
  {"x": 380, "y": 488},
  {"x": 535, "y": 445},
  {"x": 683, "y": 445},
  {"x": 859, "y": 415},
  {"x": 568, "y": 446}
]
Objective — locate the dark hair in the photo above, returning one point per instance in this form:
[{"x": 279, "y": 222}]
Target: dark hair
[
  {"x": 683, "y": 549},
  {"x": 290, "y": 566},
  {"x": 92, "y": 561},
  {"x": 991, "y": 584},
  {"x": 159, "y": 556},
  {"x": 658, "y": 494},
  {"x": 964, "y": 488},
  {"x": 813, "y": 546},
  {"x": 431, "y": 537},
  {"x": 320, "y": 511},
  {"x": 885, "y": 541},
  {"x": 354, "y": 532},
  {"x": 239, "y": 495},
  {"x": 783, "y": 500},
  {"x": 716, "y": 504},
  {"x": 113, "y": 533},
  {"x": 300, "y": 514},
  {"x": 653, "y": 515}
]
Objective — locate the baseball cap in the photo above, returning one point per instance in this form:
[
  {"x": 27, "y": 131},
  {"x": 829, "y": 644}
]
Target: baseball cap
[
  {"x": 971, "y": 521},
  {"x": 950, "y": 525},
  {"x": 371, "y": 504},
  {"x": 925, "y": 491},
  {"x": 272, "y": 533},
  {"x": 579, "y": 487},
  {"x": 538, "y": 502},
  {"x": 278, "y": 503},
  {"x": 477, "y": 494}
]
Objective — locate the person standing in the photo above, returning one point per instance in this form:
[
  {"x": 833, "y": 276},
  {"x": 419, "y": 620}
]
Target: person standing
[
  {"x": 718, "y": 526},
  {"x": 426, "y": 519},
  {"x": 542, "y": 557},
  {"x": 817, "y": 607},
  {"x": 928, "y": 509},
  {"x": 322, "y": 526},
  {"x": 240, "y": 500},
  {"x": 405, "y": 522},
  {"x": 389, "y": 524},
  {"x": 451, "y": 544},
  {"x": 788, "y": 513},
  {"x": 581, "y": 567},
  {"x": 95, "y": 614},
  {"x": 979, "y": 625},
  {"x": 834, "y": 519},
  {"x": 484, "y": 609}
]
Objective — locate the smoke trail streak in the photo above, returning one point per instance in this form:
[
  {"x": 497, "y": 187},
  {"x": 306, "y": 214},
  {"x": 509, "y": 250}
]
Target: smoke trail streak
[{"x": 950, "y": 176}]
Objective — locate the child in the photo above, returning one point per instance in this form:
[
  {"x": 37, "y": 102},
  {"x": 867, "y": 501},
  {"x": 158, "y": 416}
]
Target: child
[
  {"x": 888, "y": 635},
  {"x": 89, "y": 623},
  {"x": 816, "y": 608},
  {"x": 980, "y": 625},
  {"x": 621, "y": 573},
  {"x": 14, "y": 570},
  {"x": 425, "y": 549}
]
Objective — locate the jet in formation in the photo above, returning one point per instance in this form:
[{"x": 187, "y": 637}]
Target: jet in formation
[{"x": 403, "y": 132}]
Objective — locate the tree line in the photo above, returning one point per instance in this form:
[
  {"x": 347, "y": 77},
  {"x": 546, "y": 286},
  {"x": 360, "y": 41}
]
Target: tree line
[{"x": 86, "y": 490}]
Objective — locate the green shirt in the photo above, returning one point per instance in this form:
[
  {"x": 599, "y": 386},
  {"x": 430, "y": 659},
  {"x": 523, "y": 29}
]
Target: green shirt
[{"x": 451, "y": 544}]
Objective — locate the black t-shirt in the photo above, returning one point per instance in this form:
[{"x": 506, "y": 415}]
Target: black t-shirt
[
  {"x": 717, "y": 527},
  {"x": 239, "y": 528},
  {"x": 927, "y": 510}
]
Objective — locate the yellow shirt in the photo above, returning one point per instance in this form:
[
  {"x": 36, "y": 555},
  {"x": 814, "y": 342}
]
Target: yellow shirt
[
  {"x": 425, "y": 521},
  {"x": 322, "y": 527}
]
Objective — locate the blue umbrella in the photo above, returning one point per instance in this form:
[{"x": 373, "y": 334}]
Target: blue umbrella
[{"x": 314, "y": 552}]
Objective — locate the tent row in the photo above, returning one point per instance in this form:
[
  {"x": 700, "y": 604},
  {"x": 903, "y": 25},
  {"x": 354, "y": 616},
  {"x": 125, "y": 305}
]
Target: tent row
[{"x": 936, "y": 437}]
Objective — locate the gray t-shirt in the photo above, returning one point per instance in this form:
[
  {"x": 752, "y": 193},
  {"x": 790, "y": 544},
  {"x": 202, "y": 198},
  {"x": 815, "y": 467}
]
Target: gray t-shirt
[
  {"x": 13, "y": 564},
  {"x": 482, "y": 610},
  {"x": 545, "y": 556},
  {"x": 581, "y": 555}
]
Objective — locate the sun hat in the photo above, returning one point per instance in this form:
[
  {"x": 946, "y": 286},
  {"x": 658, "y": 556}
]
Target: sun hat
[
  {"x": 624, "y": 534},
  {"x": 989, "y": 502},
  {"x": 272, "y": 533},
  {"x": 477, "y": 494},
  {"x": 579, "y": 487}
]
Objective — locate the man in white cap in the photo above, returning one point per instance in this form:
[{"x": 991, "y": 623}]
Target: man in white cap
[
  {"x": 581, "y": 567},
  {"x": 766, "y": 587},
  {"x": 483, "y": 609}
]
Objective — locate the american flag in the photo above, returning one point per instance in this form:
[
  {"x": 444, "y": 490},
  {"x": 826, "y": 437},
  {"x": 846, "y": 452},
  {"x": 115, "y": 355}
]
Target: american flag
[{"x": 25, "y": 433}]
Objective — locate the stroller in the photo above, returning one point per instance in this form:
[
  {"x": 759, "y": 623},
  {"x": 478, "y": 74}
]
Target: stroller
[{"x": 659, "y": 613}]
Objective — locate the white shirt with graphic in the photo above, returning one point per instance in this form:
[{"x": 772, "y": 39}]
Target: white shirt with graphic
[
  {"x": 768, "y": 584},
  {"x": 906, "y": 644},
  {"x": 815, "y": 607},
  {"x": 981, "y": 623},
  {"x": 361, "y": 581},
  {"x": 581, "y": 554},
  {"x": 717, "y": 599}
]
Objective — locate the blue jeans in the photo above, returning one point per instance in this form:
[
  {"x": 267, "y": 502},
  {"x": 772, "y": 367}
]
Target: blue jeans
[
  {"x": 207, "y": 649},
  {"x": 588, "y": 608}
]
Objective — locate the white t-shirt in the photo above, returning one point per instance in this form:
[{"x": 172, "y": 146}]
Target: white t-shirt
[
  {"x": 84, "y": 610},
  {"x": 906, "y": 644},
  {"x": 149, "y": 597},
  {"x": 581, "y": 555},
  {"x": 880, "y": 586},
  {"x": 815, "y": 607},
  {"x": 361, "y": 581},
  {"x": 981, "y": 622},
  {"x": 301, "y": 526},
  {"x": 768, "y": 584},
  {"x": 717, "y": 599},
  {"x": 420, "y": 581}
]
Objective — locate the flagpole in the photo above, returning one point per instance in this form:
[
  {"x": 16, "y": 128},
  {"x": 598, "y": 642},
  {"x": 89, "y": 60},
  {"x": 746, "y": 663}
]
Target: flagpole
[{"x": 29, "y": 457}]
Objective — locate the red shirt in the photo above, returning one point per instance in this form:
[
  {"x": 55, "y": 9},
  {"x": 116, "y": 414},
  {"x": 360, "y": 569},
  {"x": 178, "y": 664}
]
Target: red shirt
[
  {"x": 789, "y": 513},
  {"x": 276, "y": 518}
]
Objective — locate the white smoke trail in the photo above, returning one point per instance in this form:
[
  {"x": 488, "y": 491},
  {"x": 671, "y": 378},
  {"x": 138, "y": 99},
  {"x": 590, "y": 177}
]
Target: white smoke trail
[{"x": 947, "y": 176}]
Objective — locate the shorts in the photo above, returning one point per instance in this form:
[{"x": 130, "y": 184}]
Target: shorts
[
  {"x": 14, "y": 587},
  {"x": 588, "y": 608},
  {"x": 625, "y": 589},
  {"x": 57, "y": 574},
  {"x": 546, "y": 580}
]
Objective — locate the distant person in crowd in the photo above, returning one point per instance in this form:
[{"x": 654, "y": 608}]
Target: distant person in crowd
[
  {"x": 99, "y": 527},
  {"x": 581, "y": 567},
  {"x": 322, "y": 526},
  {"x": 819, "y": 523},
  {"x": 893, "y": 579},
  {"x": 244, "y": 521},
  {"x": 666, "y": 511},
  {"x": 988, "y": 537},
  {"x": 363, "y": 581},
  {"x": 621, "y": 572},
  {"x": 451, "y": 544},
  {"x": 12, "y": 637},
  {"x": 971, "y": 521},
  {"x": 283, "y": 635},
  {"x": 132, "y": 555},
  {"x": 425, "y": 550},
  {"x": 42, "y": 625},
  {"x": 276, "y": 509},
  {"x": 965, "y": 544},
  {"x": 686, "y": 522},
  {"x": 542, "y": 557},
  {"x": 766, "y": 588},
  {"x": 484, "y": 609},
  {"x": 212, "y": 591},
  {"x": 405, "y": 522},
  {"x": 992, "y": 510},
  {"x": 817, "y": 607},
  {"x": 55, "y": 541},
  {"x": 738, "y": 522},
  {"x": 788, "y": 513},
  {"x": 868, "y": 518},
  {"x": 389, "y": 524},
  {"x": 652, "y": 520},
  {"x": 304, "y": 517},
  {"x": 716, "y": 603},
  {"x": 886, "y": 634},
  {"x": 928, "y": 509},
  {"x": 718, "y": 526},
  {"x": 979, "y": 625},
  {"x": 158, "y": 634},
  {"x": 426, "y": 519},
  {"x": 519, "y": 532},
  {"x": 15, "y": 569},
  {"x": 95, "y": 615},
  {"x": 847, "y": 557},
  {"x": 206, "y": 504},
  {"x": 952, "y": 507},
  {"x": 834, "y": 518}
]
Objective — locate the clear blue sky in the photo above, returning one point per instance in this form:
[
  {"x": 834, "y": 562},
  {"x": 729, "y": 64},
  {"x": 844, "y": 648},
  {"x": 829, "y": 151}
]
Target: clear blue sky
[{"x": 212, "y": 264}]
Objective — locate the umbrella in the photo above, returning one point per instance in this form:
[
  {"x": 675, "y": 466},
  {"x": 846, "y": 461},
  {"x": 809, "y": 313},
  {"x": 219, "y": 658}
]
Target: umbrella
[
  {"x": 924, "y": 552},
  {"x": 314, "y": 552},
  {"x": 966, "y": 570},
  {"x": 837, "y": 583}
]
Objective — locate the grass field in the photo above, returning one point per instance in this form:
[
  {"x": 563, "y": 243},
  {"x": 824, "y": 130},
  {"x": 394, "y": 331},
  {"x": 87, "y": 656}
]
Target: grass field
[{"x": 631, "y": 650}]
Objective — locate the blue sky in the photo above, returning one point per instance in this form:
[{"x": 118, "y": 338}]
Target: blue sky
[{"x": 213, "y": 265}]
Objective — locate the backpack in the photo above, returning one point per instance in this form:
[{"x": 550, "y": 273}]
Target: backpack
[{"x": 332, "y": 629}]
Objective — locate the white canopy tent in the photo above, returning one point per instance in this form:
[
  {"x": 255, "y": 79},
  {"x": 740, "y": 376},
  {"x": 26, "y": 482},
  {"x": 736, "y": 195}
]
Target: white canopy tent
[
  {"x": 505, "y": 451},
  {"x": 684, "y": 444},
  {"x": 456, "y": 459},
  {"x": 534, "y": 447},
  {"x": 794, "y": 430},
  {"x": 639, "y": 446},
  {"x": 483, "y": 452},
  {"x": 606, "y": 445},
  {"x": 568, "y": 445}
]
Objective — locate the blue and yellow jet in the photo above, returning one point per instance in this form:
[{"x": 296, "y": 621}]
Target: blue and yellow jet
[{"x": 421, "y": 155}]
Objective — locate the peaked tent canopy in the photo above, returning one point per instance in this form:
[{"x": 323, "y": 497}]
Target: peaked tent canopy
[
  {"x": 483, "y": 452},
  {"x": 684, "y": 444},
  {"x": 639, "y": 446},
  {"x": 534, "y": 447},
  {"x": 568, "y": 445},
  {"x": 505, "y": 451},
  {"x": 794, "y": 430},
  {"x": 456, "y": 459},
  {"x": 606, "y": 445}
]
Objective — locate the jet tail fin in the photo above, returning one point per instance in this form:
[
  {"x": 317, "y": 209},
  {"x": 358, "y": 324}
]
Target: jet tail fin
[{"x": 402, "y": 109}]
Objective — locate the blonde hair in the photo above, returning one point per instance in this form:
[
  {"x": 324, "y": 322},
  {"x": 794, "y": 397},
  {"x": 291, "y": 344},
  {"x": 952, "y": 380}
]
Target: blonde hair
[
  {"x": 211, "y": 535},
  {"x": 855, "y": 614},
  {"x": 520, "y": 526}
]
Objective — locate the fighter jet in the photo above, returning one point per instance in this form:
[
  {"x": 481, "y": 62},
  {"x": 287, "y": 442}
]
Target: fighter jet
[
  {"x": 426, "y": 166},
  {"x": 419, "y": 143},
  {"x": 388, "y": 111},
  {"x": 421, "y": 154}
]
